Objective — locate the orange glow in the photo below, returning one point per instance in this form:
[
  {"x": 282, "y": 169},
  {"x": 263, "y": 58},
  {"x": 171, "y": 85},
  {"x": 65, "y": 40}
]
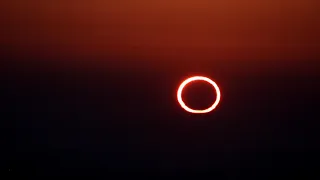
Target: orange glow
[{"x": 198, "y": 78}]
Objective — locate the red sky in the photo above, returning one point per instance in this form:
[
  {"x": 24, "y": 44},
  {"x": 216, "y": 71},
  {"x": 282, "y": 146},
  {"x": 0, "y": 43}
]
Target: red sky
[{"x": 163, "y": 32}]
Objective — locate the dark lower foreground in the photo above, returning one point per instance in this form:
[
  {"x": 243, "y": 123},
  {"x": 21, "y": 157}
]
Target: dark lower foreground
[{"x": 98, "y": 121}]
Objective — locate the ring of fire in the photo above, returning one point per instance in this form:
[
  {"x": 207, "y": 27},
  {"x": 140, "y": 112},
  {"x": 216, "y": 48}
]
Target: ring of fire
[{"x": 198, "y": 78}]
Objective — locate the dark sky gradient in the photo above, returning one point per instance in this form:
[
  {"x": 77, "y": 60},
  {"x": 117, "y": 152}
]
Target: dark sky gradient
[{"x": 91, "y": 85}]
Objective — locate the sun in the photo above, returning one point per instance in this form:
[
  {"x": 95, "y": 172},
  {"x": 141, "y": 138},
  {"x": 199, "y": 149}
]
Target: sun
[{"x": 198, "y": 78}]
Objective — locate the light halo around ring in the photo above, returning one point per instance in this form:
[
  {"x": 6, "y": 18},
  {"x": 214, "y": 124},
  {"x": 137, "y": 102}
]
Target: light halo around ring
[{"x": 198, "y": 78}]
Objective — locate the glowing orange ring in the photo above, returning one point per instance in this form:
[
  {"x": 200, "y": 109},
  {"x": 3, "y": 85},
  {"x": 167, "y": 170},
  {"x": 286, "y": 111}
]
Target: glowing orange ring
[{"x": 198, "y": 78}]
